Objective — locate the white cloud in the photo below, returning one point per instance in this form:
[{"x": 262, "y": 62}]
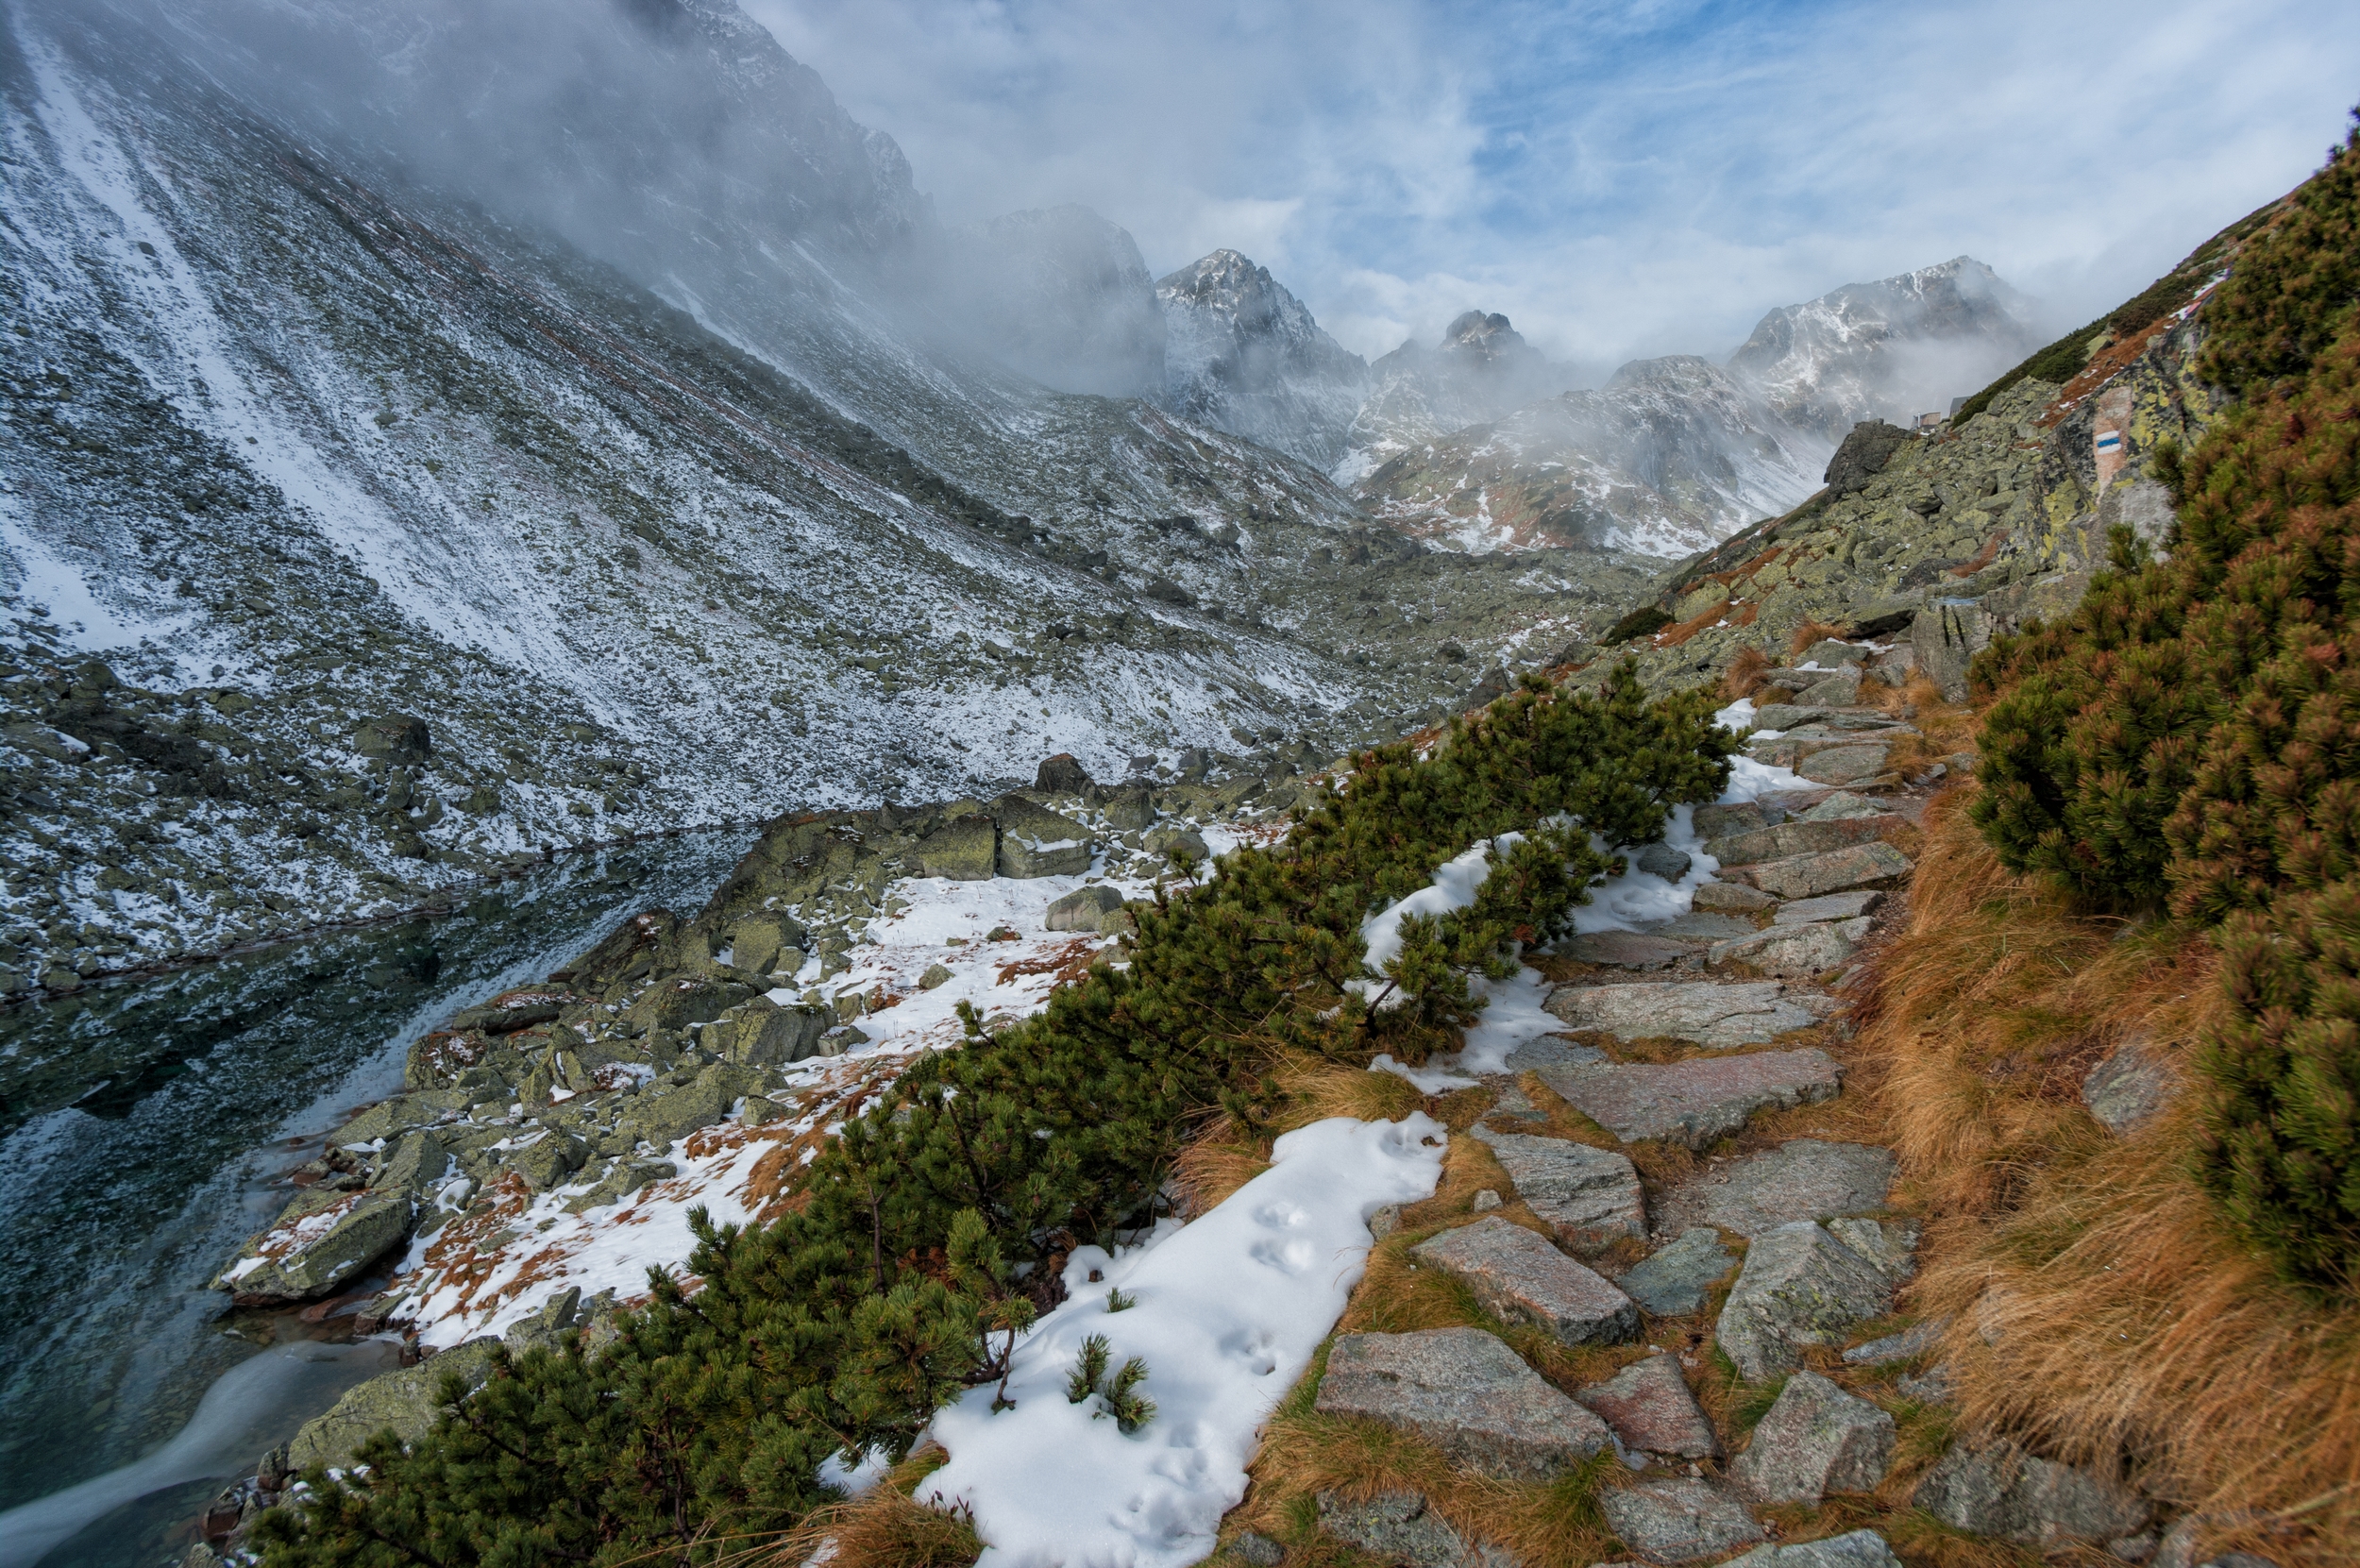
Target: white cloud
[{"x": 1619, "y": 179}]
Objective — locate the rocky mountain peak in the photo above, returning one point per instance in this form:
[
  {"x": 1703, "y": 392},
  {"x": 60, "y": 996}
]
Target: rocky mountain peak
[
  {"x": 1243, "y": 354},
  {"x": 1892, "y": 349},
  {"x": 1487, "y": 338}
]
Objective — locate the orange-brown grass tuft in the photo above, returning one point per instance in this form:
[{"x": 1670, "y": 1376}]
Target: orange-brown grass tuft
[
  {"x": 1744, "y": 676},
  {"x": 884, "y": 1527},
  {"x": 1813, "y": 631},
  {"x": 1223, "y": 1156},
  {"x": 2100, "y": 1310}
]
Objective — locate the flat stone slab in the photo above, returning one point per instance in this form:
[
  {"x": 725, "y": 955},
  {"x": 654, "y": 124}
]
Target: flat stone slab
[
  {"x": 1695, "y": 1102},
  {"x": 1673, "y": 1281},
  {"x": 1860, "y": 1549},
  {"x": 1401, "y": 1528},
  {"x": 1843, "y": 765},
  {"x": 1625, "y": 950},
  {"x": 1817, "y": 1439},
  {"x": 1589, "y": 1197},
  {"x": 1551, "y": 1050},
  {"x": 1800, "y": 836},
  {"x": 1467, "y": 1394},
  {"x": 1801, "y": 1179},
  {"x": 1733, "y": 897},
  {"x": 1519, "y": 1277},
  {"x": 1795, "y": 950},
  {"x": 1800, "y": 1286},
  {"x": 1875, "y": 865},
  {"x": 1840, "y": 805},
  {"x": 319, "y": 1241},
  {"x": 1677, "y": 1521},
  {"x": 1650, "y": 1408},
  {"x": 1706, "y": 926},
  {"x": 1828, "y": 906},
  {"x": 1710, "y": 1014}
]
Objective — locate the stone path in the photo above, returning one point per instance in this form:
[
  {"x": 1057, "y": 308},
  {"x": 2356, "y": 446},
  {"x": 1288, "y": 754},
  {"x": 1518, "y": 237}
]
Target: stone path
[{"x": 1683, "y": 1035}]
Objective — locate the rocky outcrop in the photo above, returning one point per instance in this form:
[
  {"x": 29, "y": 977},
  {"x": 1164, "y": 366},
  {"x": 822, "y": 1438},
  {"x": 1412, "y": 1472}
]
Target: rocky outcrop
[
  {"x": 1697, "y": 1101},
  {"x": 1243, "y": 355}
]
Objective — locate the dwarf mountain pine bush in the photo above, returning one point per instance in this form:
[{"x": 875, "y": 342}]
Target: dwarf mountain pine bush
[
  {"x": 2190, "y": 736},
  {"x": 893, "y": 1287}
]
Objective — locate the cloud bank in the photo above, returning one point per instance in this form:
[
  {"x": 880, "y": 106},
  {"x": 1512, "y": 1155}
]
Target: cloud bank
[{"x": 1624, "y": 179}]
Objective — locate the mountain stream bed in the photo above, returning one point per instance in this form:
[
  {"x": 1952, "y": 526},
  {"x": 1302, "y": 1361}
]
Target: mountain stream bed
[{"x": 147, "y": 1128}]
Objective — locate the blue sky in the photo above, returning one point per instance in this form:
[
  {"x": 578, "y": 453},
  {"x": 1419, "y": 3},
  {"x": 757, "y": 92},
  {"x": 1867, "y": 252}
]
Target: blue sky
[{"x": 1621, "y": 180}]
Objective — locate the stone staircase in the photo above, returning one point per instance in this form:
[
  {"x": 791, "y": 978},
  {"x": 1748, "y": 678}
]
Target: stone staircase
[{"x": 1661, "y": 1193}]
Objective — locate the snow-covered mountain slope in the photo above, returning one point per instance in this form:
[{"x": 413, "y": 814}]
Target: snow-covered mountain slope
[
  {"x": 1060, "y": 296},
  {"x": 1243, "y": 355},
  {"x": 1481, "y": 370},
  {"x": 667, "y": 533},
  {"x": 1891, "y": 349},
  {"x": 1670, "y": 457}
]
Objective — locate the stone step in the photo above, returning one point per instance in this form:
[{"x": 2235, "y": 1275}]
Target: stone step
[
  {"x": 1590, "y": 1198},
  {"x": 1677, "y": 1521},
  {"x": 1828, "y": 906},
  {"x": 1466, "y": 1393},
  {"x": 1695, "y": 1102},
  {"x": 1675, "y": 1280},
  {"x": 1789, "y": 840},
  {"x": 1800, "y": 1286},
  {"x": 1802, "y": 1179},
  {"x": 1719, "y": 1015},
  {"x": 1626, "y": 949},
  {"x": 1878, "y": 865},
  {"x": 1648, "y": 1405},
  {"x": 1520, "y": 1278},
  {"x": 1794, "y": 952},
  {"x": 1815, "y": 1440}
]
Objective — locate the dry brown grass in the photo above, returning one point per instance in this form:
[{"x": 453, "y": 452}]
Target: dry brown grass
[
  {"x": 1744, "y": 676},
  {"x": 884, "y": 1527},
  {"x": 2101, "y": 1310},
  {"x": 1812, "y": 632},
  {"x": 1224, "y": 1156}
]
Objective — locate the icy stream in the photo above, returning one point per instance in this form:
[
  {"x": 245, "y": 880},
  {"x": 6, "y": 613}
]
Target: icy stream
[{"x": 143, "y": 1130}]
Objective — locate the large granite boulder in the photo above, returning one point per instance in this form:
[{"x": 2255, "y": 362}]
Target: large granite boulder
[
  {"x": 1677, "y": 1521},
  {"x": 965, "y": 848},
  {"x": 1875, "y": 865},
  {"x": 1650, "y": 1408},
  {"x": 1803, "y": 1179},
  {"x": 1675, "y": 1280},
  {"x": 2000, "y": 1490},
  {"x": 1036, "y": 842}
]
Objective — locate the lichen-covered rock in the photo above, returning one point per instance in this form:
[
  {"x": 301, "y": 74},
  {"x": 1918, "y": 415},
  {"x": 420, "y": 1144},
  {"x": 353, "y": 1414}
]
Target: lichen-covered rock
[
  {"x": 1875, "y": 865},
  {"x": 1794, "y": 951},
  {"x": 2129, "y": 1089},
  {"x": 1084, "y": 910},
  {"x": 1860, "y": 1549},
  {"x": 1816, "y": 1440},
  {"x": 1402, "y": 1527},
  {"x": 1804, "y": 1178},
  {"x": 1719, "y": 1016},
  {"x": 1036, "y": 842},
  {"x": 318, "y": 1241},
  {"x": 1673, "y": 1281},
  {"x": 1999, "y": 1490},
  {"x": 1467, "y": 1394},
  {"x": 406, "y": 1401},
  {"x": 965, "y": 848}
]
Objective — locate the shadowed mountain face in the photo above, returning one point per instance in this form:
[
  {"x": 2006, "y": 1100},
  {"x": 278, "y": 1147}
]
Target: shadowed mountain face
[
  {"x": 1891, "y": 349},
  {"x": 1244, "y": 355},
  {"x": 1062, "y": 296}
]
